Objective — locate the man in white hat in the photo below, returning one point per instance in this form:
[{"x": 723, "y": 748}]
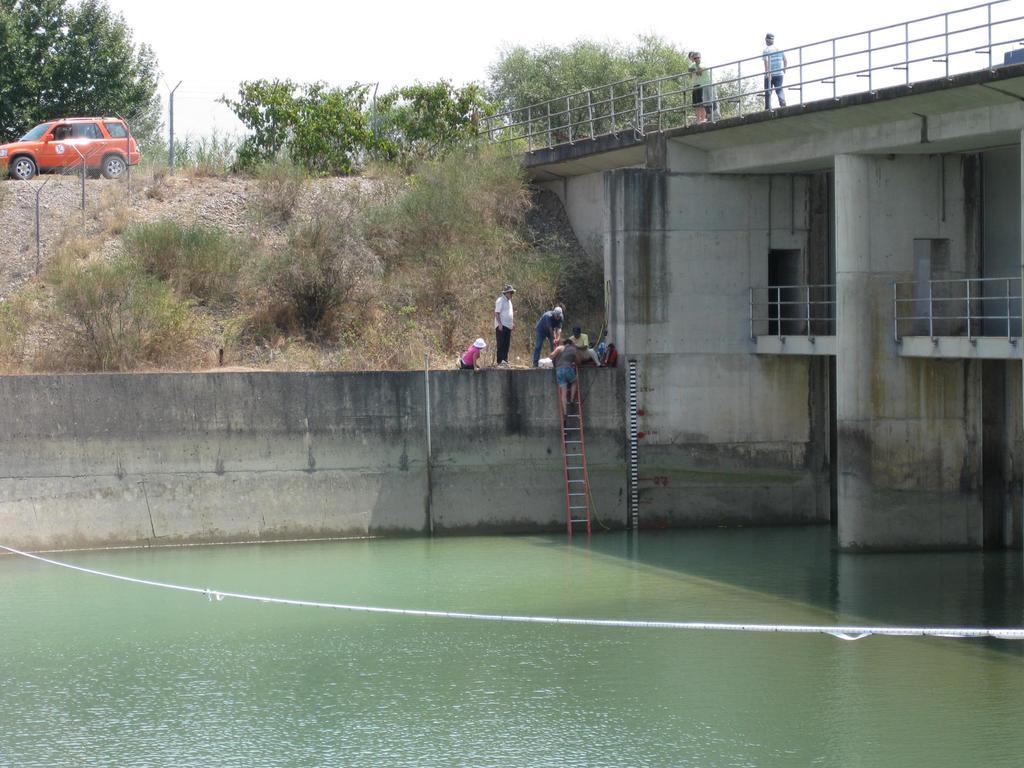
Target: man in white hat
[
  {"x": 548, "y": 327},
  {"x": 504, "y": 322}
]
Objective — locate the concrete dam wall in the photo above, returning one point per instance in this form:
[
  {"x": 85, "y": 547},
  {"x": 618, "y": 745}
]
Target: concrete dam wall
[{"x": 129, "y": 459}]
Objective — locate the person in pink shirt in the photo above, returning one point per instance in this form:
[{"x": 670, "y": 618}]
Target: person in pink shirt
[{"x": 471, "y": 357}]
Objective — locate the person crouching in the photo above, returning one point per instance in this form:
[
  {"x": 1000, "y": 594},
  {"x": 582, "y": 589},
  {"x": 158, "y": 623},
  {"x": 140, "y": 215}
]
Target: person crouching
[{"x": 470, "y": 359}]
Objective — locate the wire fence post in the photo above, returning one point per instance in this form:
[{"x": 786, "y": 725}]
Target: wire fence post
[
  {"x": 39, "y": 250},
  {"x": 170, "y": 124}
]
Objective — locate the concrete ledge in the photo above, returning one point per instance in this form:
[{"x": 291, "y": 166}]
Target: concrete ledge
[
  {"x": 962, "y": 348},
  {"x": 796, "y": 345}
]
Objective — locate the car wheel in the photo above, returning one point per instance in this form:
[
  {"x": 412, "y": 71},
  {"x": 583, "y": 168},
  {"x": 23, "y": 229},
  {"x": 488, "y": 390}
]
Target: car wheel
[
  {"x": 23, "y": 168},
  {"x": 113, "y": 166}
]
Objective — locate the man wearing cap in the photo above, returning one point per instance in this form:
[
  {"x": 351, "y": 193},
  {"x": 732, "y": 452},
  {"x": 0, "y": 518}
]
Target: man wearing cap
[
  {"x": 503, "y": 325},
  {"x": 774, "y": 68},
  {"x": 548, "y": 327}
]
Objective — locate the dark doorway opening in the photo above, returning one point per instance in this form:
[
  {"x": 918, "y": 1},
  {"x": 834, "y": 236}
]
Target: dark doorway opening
[{"x": 787, "y": 310}]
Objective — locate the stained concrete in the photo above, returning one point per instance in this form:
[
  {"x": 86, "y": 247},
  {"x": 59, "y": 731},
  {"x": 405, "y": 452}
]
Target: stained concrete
[{"x": 100, "y": 460}]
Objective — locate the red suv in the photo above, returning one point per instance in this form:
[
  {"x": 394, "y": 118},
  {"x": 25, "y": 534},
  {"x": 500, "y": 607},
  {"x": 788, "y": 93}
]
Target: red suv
[{"x": 103, "y": 144}]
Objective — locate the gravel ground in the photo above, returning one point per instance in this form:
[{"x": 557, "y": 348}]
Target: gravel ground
[{"x": 216, "y": 202}]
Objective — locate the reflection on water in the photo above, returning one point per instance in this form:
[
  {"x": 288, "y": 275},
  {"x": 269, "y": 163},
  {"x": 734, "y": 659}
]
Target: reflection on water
[{"x": 104, "y": 673}]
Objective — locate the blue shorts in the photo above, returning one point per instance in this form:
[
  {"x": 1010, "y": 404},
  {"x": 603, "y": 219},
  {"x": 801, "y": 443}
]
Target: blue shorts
[{"x": 565, "y": 376}]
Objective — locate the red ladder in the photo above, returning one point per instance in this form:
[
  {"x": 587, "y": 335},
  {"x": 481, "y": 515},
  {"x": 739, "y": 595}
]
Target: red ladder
[{"x": 574, "y": 463}]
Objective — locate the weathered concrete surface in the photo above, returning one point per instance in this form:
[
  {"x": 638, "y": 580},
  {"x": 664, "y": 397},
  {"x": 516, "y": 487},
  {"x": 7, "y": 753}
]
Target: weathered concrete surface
[
  {"x": 729, "y": 437},
  {"x": 909, "y": 430},
  {"x": 102, "y": 460}
]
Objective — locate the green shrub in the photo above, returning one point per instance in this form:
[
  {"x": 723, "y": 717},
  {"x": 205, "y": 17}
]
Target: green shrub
[
  {"x": 325, "y": 265},
  {"x": 118, "y": 318},
  {"x": 200, "y": 263},
  {"x": 278, "y": 190}
]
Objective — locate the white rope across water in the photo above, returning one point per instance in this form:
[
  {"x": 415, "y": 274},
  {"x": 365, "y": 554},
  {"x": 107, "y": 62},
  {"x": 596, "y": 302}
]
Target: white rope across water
[{"x": 843, "y": 633}]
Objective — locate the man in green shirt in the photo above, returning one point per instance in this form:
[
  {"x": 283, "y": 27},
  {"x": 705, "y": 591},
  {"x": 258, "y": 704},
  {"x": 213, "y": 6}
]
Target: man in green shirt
[{"x": 702, "y": 83}]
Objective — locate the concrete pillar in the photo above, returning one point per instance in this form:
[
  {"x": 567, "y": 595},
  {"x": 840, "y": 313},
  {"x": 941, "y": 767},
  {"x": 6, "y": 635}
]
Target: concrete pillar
[
  {"x": 1021, "y": 261},
  {"x": 854, "y": 345},
  {"x": 908, "y": 430}
]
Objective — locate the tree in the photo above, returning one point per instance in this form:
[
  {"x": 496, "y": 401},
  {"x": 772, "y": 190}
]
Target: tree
[
  {"x": 426, "y": 121},
  {"x": 323, "y": 129},
  {"x": 59, "y": 59},
  {"x": 524, "y": 76}
]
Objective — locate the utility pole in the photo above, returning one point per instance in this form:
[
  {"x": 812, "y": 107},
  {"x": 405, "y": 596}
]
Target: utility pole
[{"x": 170, "y": 110}]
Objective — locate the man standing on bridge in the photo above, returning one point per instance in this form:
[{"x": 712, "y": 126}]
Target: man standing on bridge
[{"x": 774, "y": 68}]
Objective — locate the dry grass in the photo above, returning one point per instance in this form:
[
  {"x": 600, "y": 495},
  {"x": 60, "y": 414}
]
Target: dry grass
[
  {"x": 373, "y": 273},
  {"x": 278, "y": 190}
]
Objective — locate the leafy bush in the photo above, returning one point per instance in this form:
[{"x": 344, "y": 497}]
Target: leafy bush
[
  {"x": 325, "y": 265},
  {"x": 198, "y": 262},
  {"x": 278, "y": 189},
  {"x": 524, "y": 76},
  {"x": 418, "y": 122},
  {"x": 118, "y": 318},
  {"x": 325, "y": 130}
]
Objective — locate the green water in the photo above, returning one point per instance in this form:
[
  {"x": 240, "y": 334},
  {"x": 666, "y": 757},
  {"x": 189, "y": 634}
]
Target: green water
[{"x": 102, "y": 673}]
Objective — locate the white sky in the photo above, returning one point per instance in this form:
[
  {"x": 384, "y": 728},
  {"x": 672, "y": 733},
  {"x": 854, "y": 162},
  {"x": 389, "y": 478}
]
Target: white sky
[{"x": 212, "y": 45}]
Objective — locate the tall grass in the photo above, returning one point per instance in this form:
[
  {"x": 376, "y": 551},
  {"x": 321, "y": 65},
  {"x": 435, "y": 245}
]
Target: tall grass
[
  {"x": 212, "y": 155},
  {"x": 198, "y": 262}
]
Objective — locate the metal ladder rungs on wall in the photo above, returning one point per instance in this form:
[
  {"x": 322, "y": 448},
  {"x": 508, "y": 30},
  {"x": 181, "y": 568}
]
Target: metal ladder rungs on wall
[{"x": 574, "y": 463}]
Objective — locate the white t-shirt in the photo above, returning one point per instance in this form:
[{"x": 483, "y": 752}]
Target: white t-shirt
[
  {"x": 503, "y": 307},
  {"x": 775, "y": 59}
]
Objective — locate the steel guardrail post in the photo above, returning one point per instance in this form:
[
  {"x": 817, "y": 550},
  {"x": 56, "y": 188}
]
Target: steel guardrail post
[
  {"x": 529, "y": 129},
  {"x": 807, "y": 307},
  {"x": 549, "y": 125},
  {"x": 834, "y": 78},
  {"x": 906, "y": 52},
  {"x": 568, "y": 119},
  {"x": 590, "y": 112},
  {"x": 931, "y": 319},
  {"x": 945, "y": 41},
  {"x": 988, "y": 8},
  {"x": 1007, "y": 309},
  {"x": 967, "y": 288},
  {"x": 750, "y": 313},
  {"x": 895, "y": 315}
]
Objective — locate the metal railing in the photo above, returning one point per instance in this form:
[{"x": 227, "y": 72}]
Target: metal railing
[
  {"x": 987, "y": 307},
  {"x": 603, "y": 111},
  {"x": 927, "y": 48},
  {"x": 793, "y": 310}
]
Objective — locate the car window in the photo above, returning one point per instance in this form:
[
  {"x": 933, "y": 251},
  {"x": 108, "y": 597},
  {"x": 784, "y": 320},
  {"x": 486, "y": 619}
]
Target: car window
[
  {"x": 116, "y": 130},
  {"x": 36, "y": 133},
  {"x": 62, "y": 133},
  {"x": 86, "y": 131}
]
